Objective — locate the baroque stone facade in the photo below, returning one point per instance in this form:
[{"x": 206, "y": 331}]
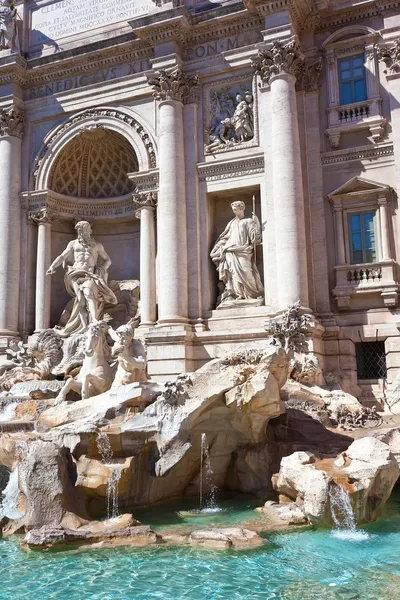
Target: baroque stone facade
[{"x": 151, "y": 121}]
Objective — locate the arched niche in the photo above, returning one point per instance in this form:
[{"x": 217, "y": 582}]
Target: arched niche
[{"x": 119, "y": 121}]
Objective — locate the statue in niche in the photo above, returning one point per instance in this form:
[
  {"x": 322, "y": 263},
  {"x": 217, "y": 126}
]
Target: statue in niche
[
  {"x": 8, "y": 26},
  {"x": 85, "y": 279},
  {"x": 234, "y": 255},
  {"x": 232, "y": 119}
]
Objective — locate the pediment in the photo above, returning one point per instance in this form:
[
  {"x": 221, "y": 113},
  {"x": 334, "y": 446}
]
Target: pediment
[{"x": 359, "y": 184}]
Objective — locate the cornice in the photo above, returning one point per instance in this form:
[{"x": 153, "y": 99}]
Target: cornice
[
  {"x": 230, "y": 169},
  {"x": 362, "y": 153},
  {"x": 26, "y": 76}
]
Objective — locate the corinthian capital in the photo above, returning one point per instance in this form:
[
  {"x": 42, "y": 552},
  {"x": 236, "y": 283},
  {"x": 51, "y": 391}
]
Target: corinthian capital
[
  {"x": 175, "y": 85},
  {"x": 41, "y": 217},
  {"x": 144, "y": 200},
  {"x": 11, "y": 122},
  {"x": 391, "y": 57},
  {"x": 277, "y": 60},
  {"x": 308, "y": 77}
]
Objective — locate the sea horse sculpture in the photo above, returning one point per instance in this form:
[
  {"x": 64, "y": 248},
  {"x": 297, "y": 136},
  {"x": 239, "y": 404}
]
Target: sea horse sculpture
[{"x": 96, "y": 375}]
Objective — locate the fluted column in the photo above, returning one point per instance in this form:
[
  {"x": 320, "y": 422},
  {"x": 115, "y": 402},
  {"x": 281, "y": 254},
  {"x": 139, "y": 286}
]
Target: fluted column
[
  {"x": 146, "y": 207},
  {"x": 278, "y": 67},
  {"x": 43, "y": 219},
  {"x": 11, "y": 132},
  {"x": 172, "y": 89}
]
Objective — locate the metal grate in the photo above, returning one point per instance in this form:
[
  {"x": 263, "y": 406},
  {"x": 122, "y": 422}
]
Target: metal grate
[{"x": 371, "y": 360}]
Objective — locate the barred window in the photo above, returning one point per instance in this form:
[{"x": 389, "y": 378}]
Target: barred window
[{"x": 371, "y": 360}]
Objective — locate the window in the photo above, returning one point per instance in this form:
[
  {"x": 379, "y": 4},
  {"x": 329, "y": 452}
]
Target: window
[
  {"x": 353, "y": 87},
  {"x": 371, "y": 360},
  {"x": 362, "y": 237}
]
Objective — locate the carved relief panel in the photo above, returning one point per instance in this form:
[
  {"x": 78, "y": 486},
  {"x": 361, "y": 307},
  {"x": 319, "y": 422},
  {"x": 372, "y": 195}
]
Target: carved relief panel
[{"x": 230, "y": 115}]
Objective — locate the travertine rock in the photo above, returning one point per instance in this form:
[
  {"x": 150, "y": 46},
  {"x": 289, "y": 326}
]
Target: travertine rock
[
  {"x": 47, "y": 479},
  {"x": 373, "y": 471},
  {"x": 123, "y": 530},
  {"x": 300, "y": 480},
  {"x": 224, "y": 538}
]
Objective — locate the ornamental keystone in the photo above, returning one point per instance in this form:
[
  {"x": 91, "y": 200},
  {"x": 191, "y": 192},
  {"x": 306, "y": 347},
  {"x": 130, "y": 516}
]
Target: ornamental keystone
[
  {"x": 175, "y": 85},
  {"x": 11, "y": 122},
  {"x": 279, "y": 59}
]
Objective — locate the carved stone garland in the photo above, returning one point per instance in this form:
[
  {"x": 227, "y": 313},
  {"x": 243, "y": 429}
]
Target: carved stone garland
[
  {"x": 176, "y": 85},
  {"x": 12, "y": 122}
]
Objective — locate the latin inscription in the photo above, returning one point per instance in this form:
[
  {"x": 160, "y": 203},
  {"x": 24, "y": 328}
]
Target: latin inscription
[
  {"x": 217, "y": 46},
  {"x": 55, "y": 87},
  {"x": 69, "y": 17}
]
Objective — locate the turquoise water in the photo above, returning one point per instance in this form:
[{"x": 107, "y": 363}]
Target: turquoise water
[{"x": 302, "y": 565}]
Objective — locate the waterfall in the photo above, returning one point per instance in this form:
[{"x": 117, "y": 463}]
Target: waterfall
[
  {"x": 343, "y": 514},
  {"x": 107, "y": 455},
  {"x": 208, "y": 502},
  {"x": 8, "y": 413},
  {"x": 112, "y": 494},
  {"x": 9, "y": 505}
]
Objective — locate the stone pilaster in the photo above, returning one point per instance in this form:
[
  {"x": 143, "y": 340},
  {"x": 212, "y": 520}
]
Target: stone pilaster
[
  {"x": 11, "y": 133},
  {"x": 43, "y": 219},
  {"x": 172, "y": 89},
  {"x": 146, "y": 204},
  {"x": 278, "y": 66},
  {"x": 390, "y": 55}
]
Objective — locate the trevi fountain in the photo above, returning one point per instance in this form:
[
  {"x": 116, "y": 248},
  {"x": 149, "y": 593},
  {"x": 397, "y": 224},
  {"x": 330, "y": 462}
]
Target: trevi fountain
[{"x": 199, "y": 323}]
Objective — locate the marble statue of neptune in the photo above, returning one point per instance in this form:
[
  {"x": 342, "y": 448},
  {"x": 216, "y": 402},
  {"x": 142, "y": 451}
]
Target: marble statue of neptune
[
  {"x": 235, "y": 258},
  {"x": 85, "y": 279}
]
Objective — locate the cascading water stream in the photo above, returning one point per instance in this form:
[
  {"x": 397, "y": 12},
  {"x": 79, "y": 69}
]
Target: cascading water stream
[
  {"x": 208, "y": 501},
  {"x": 343, "y": 514},
  {"x": 106, "y": 453},
  {"x": 9, "y": 506}
]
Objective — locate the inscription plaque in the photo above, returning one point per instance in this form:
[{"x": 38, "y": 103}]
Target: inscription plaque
[{"x": 61, "y": 19}]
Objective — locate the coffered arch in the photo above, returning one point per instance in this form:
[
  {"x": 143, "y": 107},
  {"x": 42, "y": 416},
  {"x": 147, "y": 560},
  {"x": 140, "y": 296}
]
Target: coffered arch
[{"x": 120, "y": 122}]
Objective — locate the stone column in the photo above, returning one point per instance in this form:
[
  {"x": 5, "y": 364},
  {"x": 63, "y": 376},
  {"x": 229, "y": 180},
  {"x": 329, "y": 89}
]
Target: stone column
[
  {"x": 146, "y": 206},
  {"x": 43, "y": 219},
  {"x": 172, "y": 89},
  {"x": 385, "y": 239},
  {"x": 278, "y": 66},
  {"x": 11, "y": 132}
]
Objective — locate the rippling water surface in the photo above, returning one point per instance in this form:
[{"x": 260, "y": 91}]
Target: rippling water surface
[{"x": 302, "y": 565}]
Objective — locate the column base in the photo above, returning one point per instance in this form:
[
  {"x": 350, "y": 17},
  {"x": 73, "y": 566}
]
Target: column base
[{"x": 172, "y": 321}]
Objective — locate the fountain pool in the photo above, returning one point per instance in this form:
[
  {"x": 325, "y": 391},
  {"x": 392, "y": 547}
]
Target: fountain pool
[{"x": 301, "y": 565}]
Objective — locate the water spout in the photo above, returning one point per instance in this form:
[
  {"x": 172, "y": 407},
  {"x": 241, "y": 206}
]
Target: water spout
[
  {"x": 9, "y": 507},
  {"x": 107, "y": 454},
  {"x": 208, "y": 489},
  {"x": 343, "y": 514}
]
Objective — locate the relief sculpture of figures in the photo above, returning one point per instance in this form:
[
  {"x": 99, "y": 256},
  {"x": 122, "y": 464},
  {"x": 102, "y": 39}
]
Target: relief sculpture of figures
[
  {"x": 234, "y": 255},
  {"x": 85, "y": 279},
  {"x": 8, "y": 26},
  {"x": 232, "y": 120}
]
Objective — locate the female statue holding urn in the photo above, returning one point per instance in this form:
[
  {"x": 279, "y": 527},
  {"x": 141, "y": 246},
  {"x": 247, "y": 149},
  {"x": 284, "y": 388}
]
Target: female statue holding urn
[{"x": 235, "y": 258}]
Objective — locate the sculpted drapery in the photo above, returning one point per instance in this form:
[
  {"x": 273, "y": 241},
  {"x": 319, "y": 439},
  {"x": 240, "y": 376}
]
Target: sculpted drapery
[{"x": 235, "y": 258}]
